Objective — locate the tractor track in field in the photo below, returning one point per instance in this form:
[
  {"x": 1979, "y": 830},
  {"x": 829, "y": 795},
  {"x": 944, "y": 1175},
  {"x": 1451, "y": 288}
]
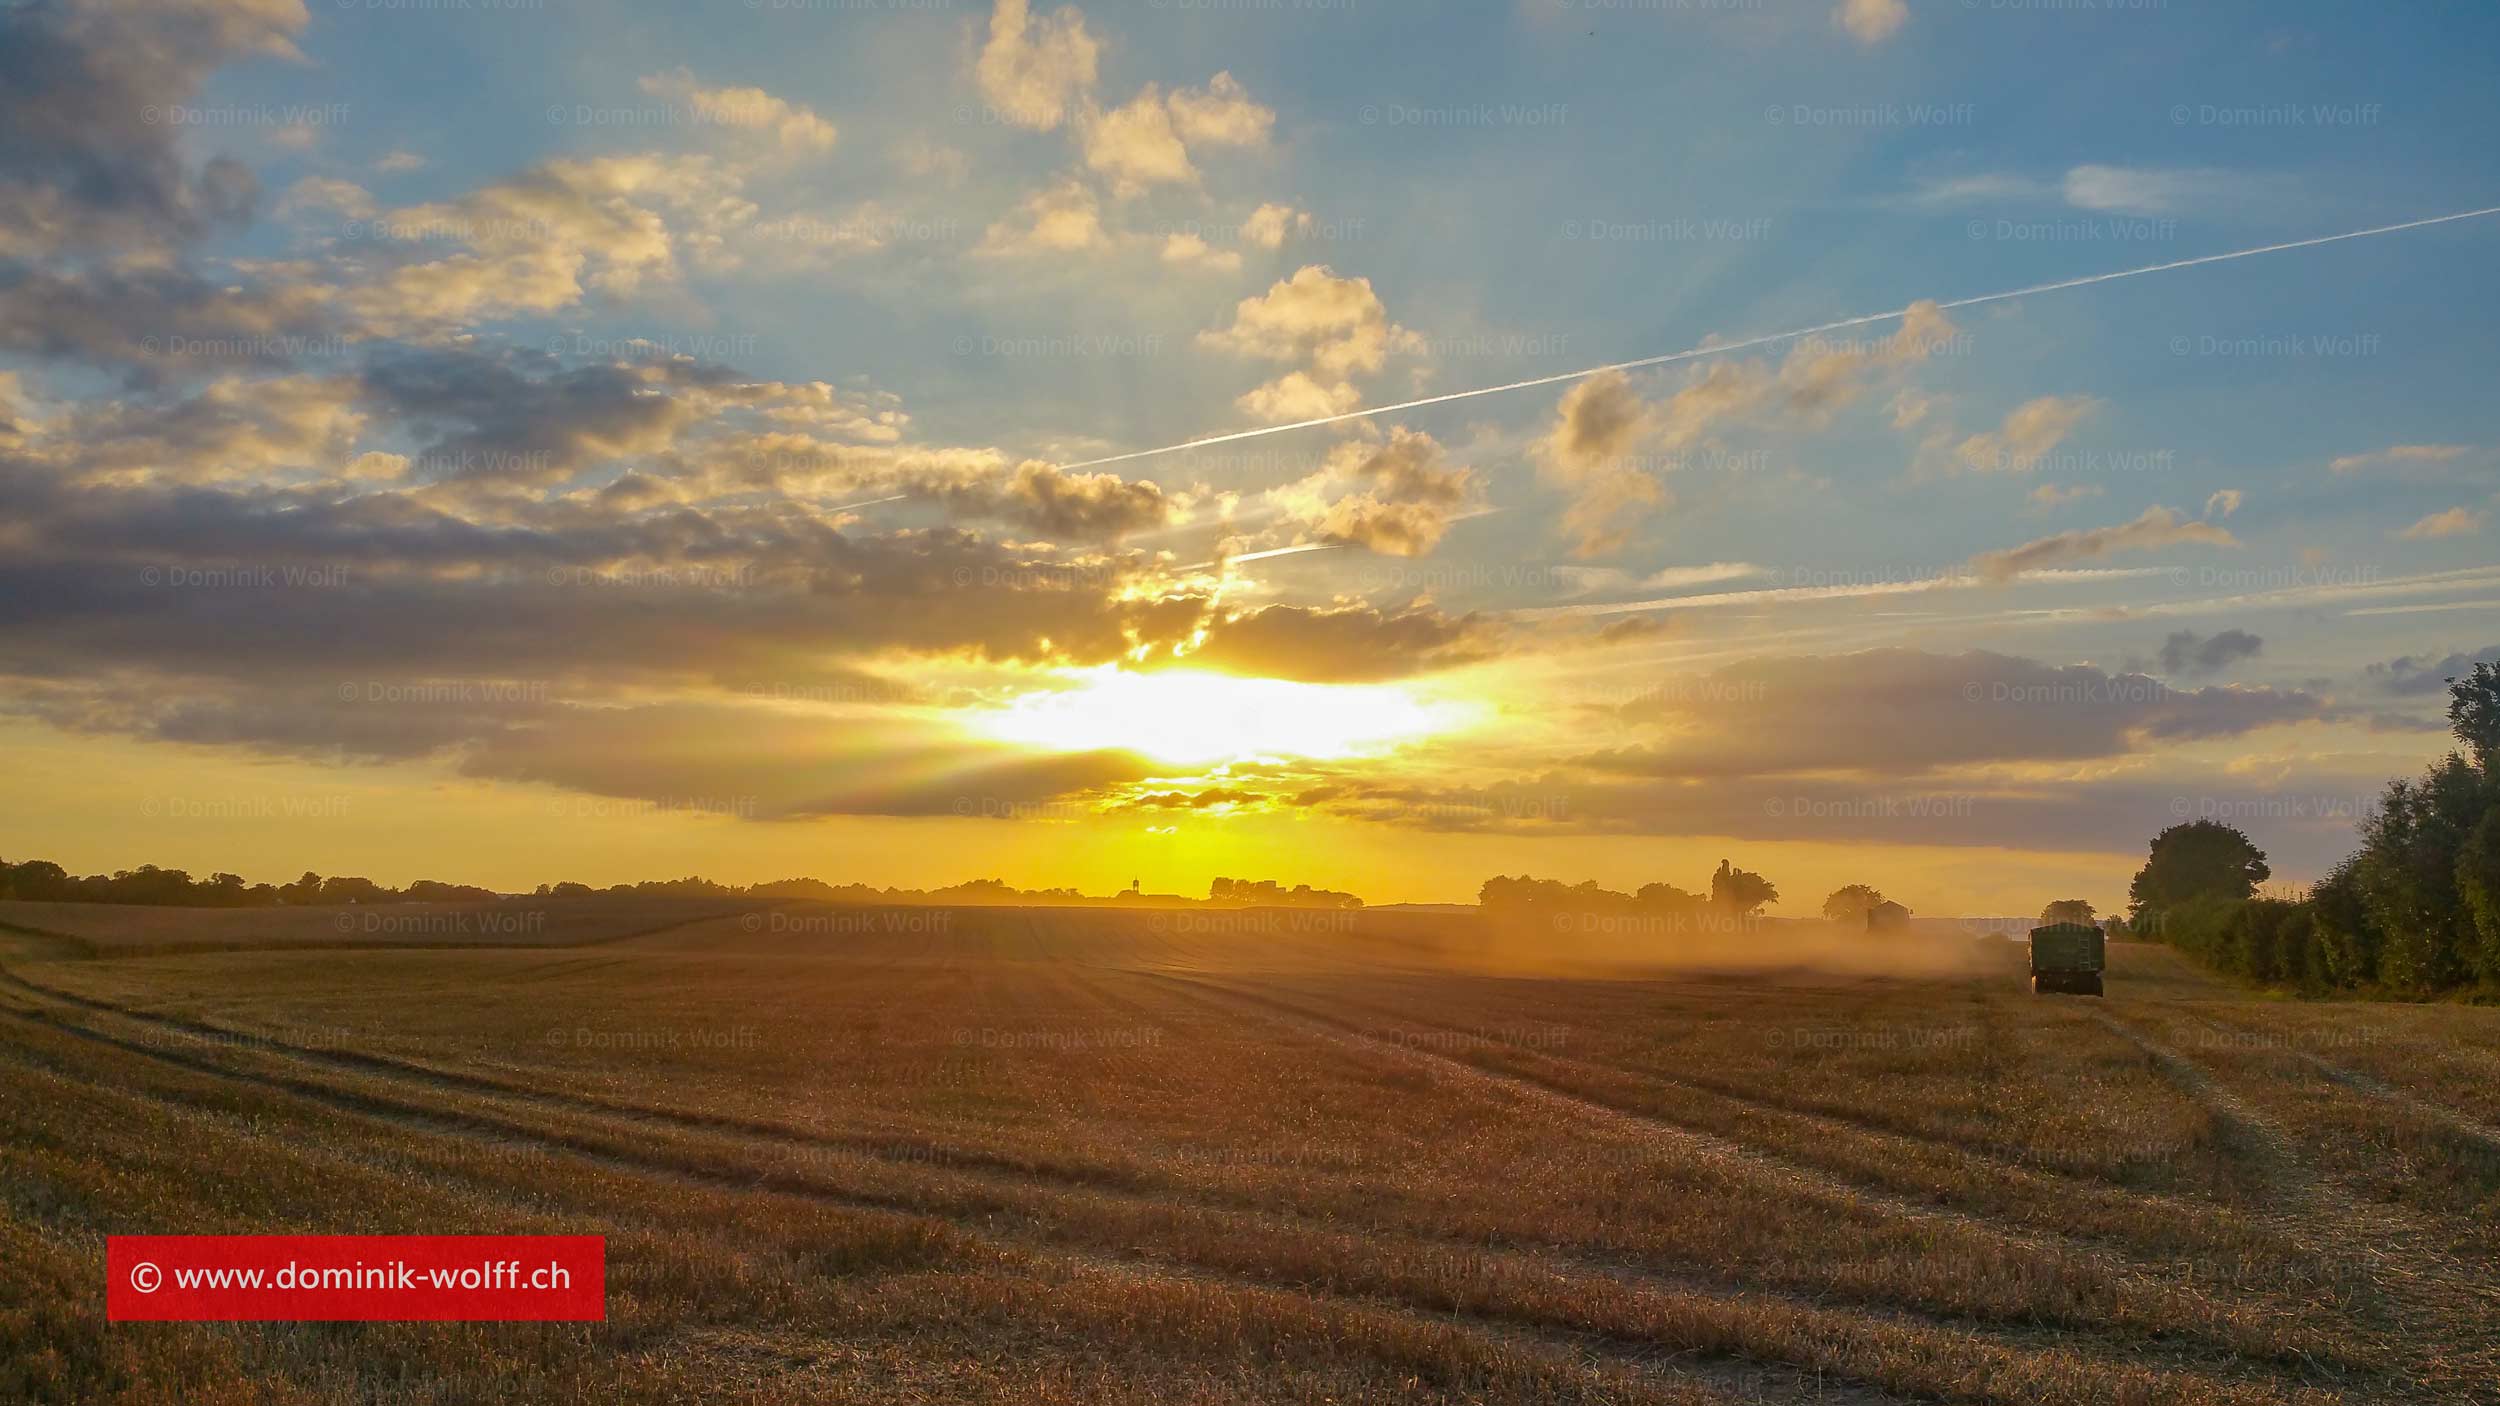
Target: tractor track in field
[
  {"x": 1736, "y": 1373},
  {"x": 1726, "y": 1156},
  {"x": 2420, "y": 1288},
  {"x": 2086, "y": 1341},
  {"x": 2370, "y": 1086},
  {"x": 1824, "y": 1120},
  {"x": 1591, "y": 1361}
]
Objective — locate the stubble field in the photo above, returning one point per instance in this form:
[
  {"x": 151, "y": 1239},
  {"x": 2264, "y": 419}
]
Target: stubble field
[{"x": 916, "y": 1155}]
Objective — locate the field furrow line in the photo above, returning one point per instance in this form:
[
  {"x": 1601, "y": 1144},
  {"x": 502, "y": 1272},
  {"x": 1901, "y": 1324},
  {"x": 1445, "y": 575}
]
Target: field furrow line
[{"x": 1709, "y": 1312}]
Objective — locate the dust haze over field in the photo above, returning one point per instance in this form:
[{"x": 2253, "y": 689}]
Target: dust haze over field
[{"x": 1002, "y": 1154}]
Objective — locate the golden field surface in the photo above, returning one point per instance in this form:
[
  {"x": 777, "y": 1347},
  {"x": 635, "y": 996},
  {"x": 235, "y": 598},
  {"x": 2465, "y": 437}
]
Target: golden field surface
[{"x": 1085, "y": 1155}]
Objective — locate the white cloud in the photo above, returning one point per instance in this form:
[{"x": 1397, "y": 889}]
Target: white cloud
[
  {"x": 1064, "y": 219},
  {"x": 1136, "y": 146},
  {"x": 1220, "y": 114},
  {"x": 1271, "y": 225},
  {"x": 2224, "y": 502},
  {"x": 1036, "y": 73},
  {"x": 1338, "y": 325},
  {"x": 2455, "y": 522},
  {"x": 2157, "y": 528},
  {"x": 795, "y": 128},
  {"x": 2029, "y": 432},
  {"x": 2396, "y": 454},
  {"x": 1297, "y": 396},
  {"x": 1190, "y": 250}
]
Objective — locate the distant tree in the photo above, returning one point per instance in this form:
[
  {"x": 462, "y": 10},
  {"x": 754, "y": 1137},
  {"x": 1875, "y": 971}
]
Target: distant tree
[
  {"x": 1849, "y": 904},
  {"x": 2200, "y": 859},
  {"x": 571, "y": 890},
  {"x": 1667, "y": 898},
  {"x": 1740, "y": 891},
  {"x": 2067, "y": 910},
  {"x": 2474, "y": 715}
]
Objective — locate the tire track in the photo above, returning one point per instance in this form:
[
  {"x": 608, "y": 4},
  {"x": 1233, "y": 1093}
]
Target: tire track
[
  {"x": 1722, "y": 1370},
  {"x": 2425, "y": 1294},
  {"x": 1831, "y": 1123},
  {"x": 978, "y": 1216},
  {"x": 1727, "y": 1157}
]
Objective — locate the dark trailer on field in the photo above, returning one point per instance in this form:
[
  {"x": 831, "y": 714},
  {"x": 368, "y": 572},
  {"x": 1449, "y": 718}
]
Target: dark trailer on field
[{"x": 2067, "y": 958}]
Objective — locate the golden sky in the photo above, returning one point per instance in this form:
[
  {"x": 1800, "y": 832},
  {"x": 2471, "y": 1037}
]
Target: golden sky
[{"x": 701, "y": 448}]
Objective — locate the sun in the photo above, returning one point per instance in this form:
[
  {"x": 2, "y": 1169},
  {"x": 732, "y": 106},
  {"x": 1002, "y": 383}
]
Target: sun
[{"x": 1192, "y": 717}]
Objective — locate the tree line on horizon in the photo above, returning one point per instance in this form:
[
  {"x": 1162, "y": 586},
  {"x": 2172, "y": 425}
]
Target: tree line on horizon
[
  {"x": 2415, "y": 911},
  {"x": 41, "y": 880},
  {"x": 1734, "y": 894}
]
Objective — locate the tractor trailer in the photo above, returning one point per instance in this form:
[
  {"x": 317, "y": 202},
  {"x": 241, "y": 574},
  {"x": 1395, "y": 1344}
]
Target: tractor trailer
[{"x": 2067, "y": 958}]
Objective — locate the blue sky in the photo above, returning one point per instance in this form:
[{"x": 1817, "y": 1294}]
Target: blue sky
[{"x": 933, "y": 254}]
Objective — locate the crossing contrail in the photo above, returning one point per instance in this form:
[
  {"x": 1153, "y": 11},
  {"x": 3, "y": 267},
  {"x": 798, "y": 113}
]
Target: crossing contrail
[{"x": 1716, "y": 348}]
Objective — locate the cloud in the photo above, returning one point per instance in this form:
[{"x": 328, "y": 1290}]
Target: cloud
[
  {"x": 1339, "y": 326},
  {"x": 1820, "y": 377},
  {"x": 156, "y": 321},
  {"x": 795, "y": 128},
  {"x": 85, "y": 163},
  {"x": 2184, "y": 653},
  {"x": 1089, "y": 506},
  {"x": 327, "y": 195},
  {"x": 398, "y": 162},
  {"x": 1136, "y": 147},
  {"x": 1589, "y": 451},
  {"x": 1295, "y": 396},
  {"x": 2050, "y": 495},
  {"x": 2411, "y": 675},
  {"x": 2135, "y": 191},
  {"x": 1220, "y": 114},
  {"x": 2030, "y": 431},
  {"x": 1063, "y": 219},
  {"x": 542, "y": 240},
  {"x": 1589, "y": 580},
  {"x": 1899, "y": 712},
  {"x": 2455, "y": 522},
  {"x": 1872, "y": 21},
  {"x": 1348, "y": 644},
  {"x": 1189, "y": 250},
  {"x": 2157, "y": 528},
  {"x": 1271, "y": 225},
  {"x": 2399, "y": 454},
  {"x": 1600, "y": 446},
  {"x": 1409, "y": 495},
  {"x": 1035, "y": 73},
  {"x": 2224, "y": 502}
]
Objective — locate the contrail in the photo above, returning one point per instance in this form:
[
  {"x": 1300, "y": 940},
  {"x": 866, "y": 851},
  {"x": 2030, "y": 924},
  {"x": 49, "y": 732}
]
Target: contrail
[{"x": 1714, "y": 349}]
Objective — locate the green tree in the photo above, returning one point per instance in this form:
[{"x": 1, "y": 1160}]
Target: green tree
[
  {"x": 2474, "y": 715},
  {"x": 2200, "y": 859},
  {"x": 2478, "y": 883},
  {"x": 2067, "y": 910}
]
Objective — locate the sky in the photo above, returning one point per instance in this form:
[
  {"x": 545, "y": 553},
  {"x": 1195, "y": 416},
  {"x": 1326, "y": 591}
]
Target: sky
[{"x": 523, "y": 441}]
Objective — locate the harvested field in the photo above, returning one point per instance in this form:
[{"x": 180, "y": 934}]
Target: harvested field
[{"x": 1060, "y": 1155}]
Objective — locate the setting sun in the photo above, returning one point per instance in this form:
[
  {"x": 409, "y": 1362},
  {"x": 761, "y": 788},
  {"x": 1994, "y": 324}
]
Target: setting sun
[{"x": 1193, "y": 717}]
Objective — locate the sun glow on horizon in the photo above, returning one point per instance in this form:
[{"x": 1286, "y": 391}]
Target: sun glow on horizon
[{"x": 1193, "y": 717}]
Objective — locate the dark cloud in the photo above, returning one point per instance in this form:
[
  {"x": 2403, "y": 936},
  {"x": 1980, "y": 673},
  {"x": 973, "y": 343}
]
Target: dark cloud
[
  {"x": 769, "y": 764},
  {"x": 1904, "y": 712},
  {"x": 1353, "y": 644},
  {"x": 90, "y": 94},
  {"x": 2412, "y": 675},
  {"x": 2184, "y": 653}
]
